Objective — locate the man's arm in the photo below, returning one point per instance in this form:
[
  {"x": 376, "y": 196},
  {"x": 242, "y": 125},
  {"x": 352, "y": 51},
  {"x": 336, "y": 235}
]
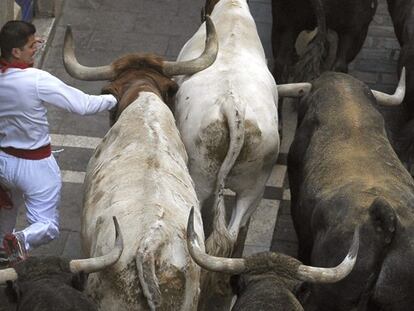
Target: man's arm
[{"x": 54, "y": 91}]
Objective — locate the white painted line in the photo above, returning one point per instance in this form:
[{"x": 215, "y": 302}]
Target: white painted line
[
  {"x": 261, "y": 227},
  {"x": 277, "y": 176},
  {"x": 75, "y": 141},
  {"x": 286, "y": 195},
  {"x": 73, "y": 177}
]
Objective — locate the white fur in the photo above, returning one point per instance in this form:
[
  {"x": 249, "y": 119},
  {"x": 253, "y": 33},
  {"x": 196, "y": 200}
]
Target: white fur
[
  {"x": 240, "y": 73},
  {"x": 139, "y": 174}
]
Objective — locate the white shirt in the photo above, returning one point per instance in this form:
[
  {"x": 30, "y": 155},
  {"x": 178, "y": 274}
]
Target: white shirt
[{"x": 23, "y": 118}]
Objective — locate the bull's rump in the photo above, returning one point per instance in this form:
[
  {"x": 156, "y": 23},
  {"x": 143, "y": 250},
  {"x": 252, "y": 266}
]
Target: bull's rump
[
  {"x": 240, "y": 71},
  {"x": 139, "y": 174},
  {"x": 340, "y": 163}
]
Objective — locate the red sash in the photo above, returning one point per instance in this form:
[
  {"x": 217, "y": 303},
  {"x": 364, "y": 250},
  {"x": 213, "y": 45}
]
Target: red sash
[
  {"x": 35, "y": 154},
  {"x": 16, "y": 64}
]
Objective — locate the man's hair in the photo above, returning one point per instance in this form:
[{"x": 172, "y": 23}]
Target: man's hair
[{"x": 15, "y": 34}]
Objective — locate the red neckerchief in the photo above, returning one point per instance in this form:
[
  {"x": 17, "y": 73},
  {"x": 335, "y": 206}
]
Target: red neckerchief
[{"x": 16, "y": 64}]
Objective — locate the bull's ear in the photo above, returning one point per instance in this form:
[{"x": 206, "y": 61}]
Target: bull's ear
[
  {"x": 172, "y": 89},
  {"x": 113, "y": 115},
  {"x": 302, "y": 292},
  {"x": 384, "y": 218},
  {"x": 236, "y": 284},
  {"x": 12, "y": 292},
  {"x": 79, "y": 281},
  {"x": 203, "y": 14}
]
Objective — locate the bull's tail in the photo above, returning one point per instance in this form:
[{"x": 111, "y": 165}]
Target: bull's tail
[
  {"x": 177, "y": 285},
  {"x": 220, "y": 242},
  {"x": 384, "y": 220},
  {"x": 145, "y": 263},
  {"x": 319, "y": 55}
]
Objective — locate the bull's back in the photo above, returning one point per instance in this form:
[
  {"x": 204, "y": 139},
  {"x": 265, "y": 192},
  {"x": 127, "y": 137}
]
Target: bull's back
[
  {"x": 341, "y": 148},
  {"x": 347, "y": 139},
  {"x": 139, "y": 174}
]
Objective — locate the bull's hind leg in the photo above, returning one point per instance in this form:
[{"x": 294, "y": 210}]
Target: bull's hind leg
[
  {"x": 349, "y": 44},
  {"x": 246, "y": 203},
  {"x": 204, "y": 188}
]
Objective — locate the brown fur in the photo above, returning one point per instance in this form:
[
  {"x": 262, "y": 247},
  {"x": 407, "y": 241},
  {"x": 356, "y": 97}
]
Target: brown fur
[
  {"x": 209, "y": 6},
  {"x": 137, "y": 73}
]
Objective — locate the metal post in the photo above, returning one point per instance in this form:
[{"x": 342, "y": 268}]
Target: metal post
[{"x": 6, "y": 11}]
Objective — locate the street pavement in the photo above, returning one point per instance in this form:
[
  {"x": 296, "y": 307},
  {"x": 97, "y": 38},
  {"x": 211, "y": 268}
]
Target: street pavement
[{"x": 106, "y": 29}]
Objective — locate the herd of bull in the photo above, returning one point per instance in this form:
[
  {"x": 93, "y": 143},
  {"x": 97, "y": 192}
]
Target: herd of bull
[{"x": 176, "y": 143}]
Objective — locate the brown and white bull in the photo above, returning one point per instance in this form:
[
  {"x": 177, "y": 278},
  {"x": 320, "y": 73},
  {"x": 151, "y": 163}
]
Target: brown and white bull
[
  {"x": 139, "y": 173},
  {"x": 54, "y": 283},
  {"x": 343, "y": 173},
  {"x": 268, "y": 280}
]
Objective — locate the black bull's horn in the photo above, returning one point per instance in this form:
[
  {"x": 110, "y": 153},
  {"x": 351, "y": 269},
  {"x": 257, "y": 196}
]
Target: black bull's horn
[
  {"x": 89, "y": 265},
  {"x": 303, "y": 88},
  {"x": 189, "y": 67},
  {"x": 397, "y": 97},
  {"x": 239, "y": 265}
]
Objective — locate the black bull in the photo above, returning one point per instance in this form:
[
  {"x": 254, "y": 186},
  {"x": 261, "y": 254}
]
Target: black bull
[
  {"x": 402, "y": 14},
  {"x": 54, "y": 283},
  {"x": 348, "y": 18},
  {"x": 267, "y": 280},
  {"x": 343, "y": 173},
  {"x": 48, "y": 284}
]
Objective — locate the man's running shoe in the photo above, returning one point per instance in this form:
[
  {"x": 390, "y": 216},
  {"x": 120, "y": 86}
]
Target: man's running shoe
[{"x": 14, "y": 249}]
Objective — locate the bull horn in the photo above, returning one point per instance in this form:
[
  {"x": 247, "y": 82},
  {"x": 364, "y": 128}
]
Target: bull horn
[
  {"x": 332, "y": 275},
  {"x": 91, "y": 265},
  {"x": 77, "y": 70},
  {"x": 8, "y": 274},
  {"x": 210, "y": 263},
  {"x": 395, "y": 99},
  {"x": 294, "y": 89},
  {"x": 203, "y": 61}
]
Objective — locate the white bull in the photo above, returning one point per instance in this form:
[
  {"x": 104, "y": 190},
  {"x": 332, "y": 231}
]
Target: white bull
[
  {"x": 139, "y": 173},
  {"x": 227, "y": 117}
]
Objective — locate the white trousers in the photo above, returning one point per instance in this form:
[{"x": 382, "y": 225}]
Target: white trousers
[{"x": 37, "y": 185}]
